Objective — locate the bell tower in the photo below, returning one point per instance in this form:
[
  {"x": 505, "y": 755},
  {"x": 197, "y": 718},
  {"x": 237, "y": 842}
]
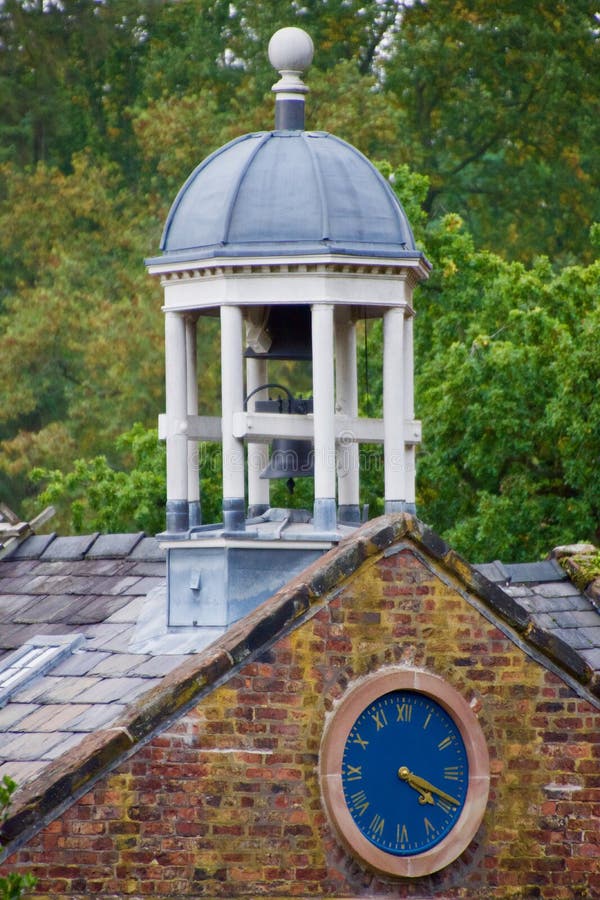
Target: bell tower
[{"x": 290, "y": 237}]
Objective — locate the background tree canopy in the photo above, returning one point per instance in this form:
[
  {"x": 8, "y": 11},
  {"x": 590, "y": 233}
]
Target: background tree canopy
[{"x": 107, "y": 107}]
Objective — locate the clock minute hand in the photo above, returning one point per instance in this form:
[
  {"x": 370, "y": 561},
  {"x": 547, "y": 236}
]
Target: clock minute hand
[{"x": 425, "y": 788}]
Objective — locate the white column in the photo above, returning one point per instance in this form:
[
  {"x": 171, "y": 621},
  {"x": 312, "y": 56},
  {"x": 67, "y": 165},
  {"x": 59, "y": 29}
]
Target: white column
[
  {"x": 393, "y": 410},
  {"x": 193, "y": 468},
  {"x": 258, "y": 454},
  {"x": 232, "y": 401},
  {"x": 324, "y": 410},
  {"x": 176, "y": 415},
  {"x": 346, "y": 403},
  {"x": 409, "y": 413}
]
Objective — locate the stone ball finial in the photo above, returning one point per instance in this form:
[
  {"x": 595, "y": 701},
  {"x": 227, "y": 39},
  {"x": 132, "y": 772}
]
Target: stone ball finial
[{"x": 291, "y": 50}]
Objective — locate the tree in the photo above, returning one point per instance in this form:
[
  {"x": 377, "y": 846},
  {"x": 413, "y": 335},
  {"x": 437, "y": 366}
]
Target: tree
[
  {"x": 98, "y": 496},
  {"x": 68, "y": 71},
  {"x": 506, "y": 365},
  {"x": 81, "y": 344},
  {"x": 128, "y": 493},
  {"x": 500, "y": 111}
]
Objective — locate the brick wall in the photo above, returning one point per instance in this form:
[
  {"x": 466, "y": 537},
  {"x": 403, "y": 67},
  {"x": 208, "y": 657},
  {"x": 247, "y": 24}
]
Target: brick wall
[{"x": 225, "y": 802}]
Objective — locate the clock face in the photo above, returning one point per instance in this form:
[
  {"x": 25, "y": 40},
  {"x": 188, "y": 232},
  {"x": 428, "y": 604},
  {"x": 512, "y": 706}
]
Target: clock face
[{"x": 405, "y": 772}]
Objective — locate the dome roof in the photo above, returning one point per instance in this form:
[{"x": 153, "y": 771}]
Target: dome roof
[{"x": 286, "y": 193}]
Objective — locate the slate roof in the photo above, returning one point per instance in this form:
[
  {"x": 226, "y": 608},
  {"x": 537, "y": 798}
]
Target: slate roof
[
  {"x": 88, "y": 591},
  {"x": 276, "y": 193},
  {"x": 82, "y": 597}
]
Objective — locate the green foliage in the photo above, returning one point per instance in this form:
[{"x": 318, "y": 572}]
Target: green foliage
[
  {"x": 95, "y": 495},
  {"x": 107, "y": 108},
  {"x": 500, "y": 110},
  {"x": 507, "y": 375},
  {"x": 13, "y": 885},
  {"x": 127, "y": 494},
  {"x": 81, "y": 332},
  {"x": 68, "y": 71}
]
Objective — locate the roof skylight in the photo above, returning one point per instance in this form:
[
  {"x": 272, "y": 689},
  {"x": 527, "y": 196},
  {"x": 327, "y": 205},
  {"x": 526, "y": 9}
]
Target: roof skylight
[{"x": 36, "y": 657}]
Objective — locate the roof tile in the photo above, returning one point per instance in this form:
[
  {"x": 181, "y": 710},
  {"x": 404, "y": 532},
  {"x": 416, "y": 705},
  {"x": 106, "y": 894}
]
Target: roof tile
[
  {"x": 52, "y": 609},
  {"x": 115, "y": 664},
  {"x": 128, "y": 613},
  {"x": 96, "y": 716},
  {"x": 32, "y": 547},
  {"x": 127, "y": 585},
  {"x": 80, "y": 662},
  {"x": 93, "y": 610},
  {"x": 52, "y": 717},
  {"x": 52, "y": 689},
  {"x": 557, "y": 589},
  {"x": 110, "y": 636},
  {"x": 69, "y": 547},
  {"x": 547, "y": 570},
  {"x": 53, "y": 567},
  {"x": 10, "y": 604},
  {"x": 12, "y": 714},
  {"x": 155, "y": 665},
  {"x": 69, "y": 740},
  {"x": 23, "y": 770},
  {"x": 145, "y": 585},
  {"x": 114, "y": 545},
  {"x": 33, "y": 745},
  {"x": 101, "y": 567},
  {"x": 573, "y": 637},
  {"x": 149, "y": 549},
  {"x": 11, "y": 638},
  {"x": 108, "y": 690},
  {"x": 592, "y": 657},
  {"x": 151, "y": 569}
]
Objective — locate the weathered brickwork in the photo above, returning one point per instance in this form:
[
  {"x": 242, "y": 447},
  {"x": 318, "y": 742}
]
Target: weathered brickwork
[{"x": 226, "y": 803}]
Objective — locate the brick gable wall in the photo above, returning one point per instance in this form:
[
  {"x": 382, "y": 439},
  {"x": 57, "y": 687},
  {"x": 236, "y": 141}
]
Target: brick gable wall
[{"x": 226, "y": 803}]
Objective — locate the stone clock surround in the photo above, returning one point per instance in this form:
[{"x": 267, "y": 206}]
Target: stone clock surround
[{"x": 340, "y": 722}]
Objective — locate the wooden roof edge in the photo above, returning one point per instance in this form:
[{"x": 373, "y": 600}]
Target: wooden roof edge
[{"x": 13, "y": 532}]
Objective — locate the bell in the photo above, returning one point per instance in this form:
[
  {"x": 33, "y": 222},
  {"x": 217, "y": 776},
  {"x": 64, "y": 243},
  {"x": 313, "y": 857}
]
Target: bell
[
  {"x": 285, "y": 331},
  {"x": 290, "y": 459}
]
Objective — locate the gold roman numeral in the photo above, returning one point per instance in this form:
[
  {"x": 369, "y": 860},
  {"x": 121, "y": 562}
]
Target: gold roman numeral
[
  {"x": 451, "y": 773},
  {"x": 401, "y": 834},
  {"x": 360, "y": 802},
  {"x": 428, "y": 826},
  {"x": 379, "y": 718},
  {"x": 354, "y": 773},
  {"x": 358, "y": 740},
  {"x": 443, "y": 745},
  {"x": 404, "y": 712},
  {"x": 377, "y": 825}
]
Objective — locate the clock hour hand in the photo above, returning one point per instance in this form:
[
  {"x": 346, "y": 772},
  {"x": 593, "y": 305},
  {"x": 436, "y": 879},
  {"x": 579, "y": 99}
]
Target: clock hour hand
[{"x": 424, "y": 788}]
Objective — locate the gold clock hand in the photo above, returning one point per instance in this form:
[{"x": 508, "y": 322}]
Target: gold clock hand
[
  {"x": 406, "y": 775},
  {"x": 424, "y": 787}
]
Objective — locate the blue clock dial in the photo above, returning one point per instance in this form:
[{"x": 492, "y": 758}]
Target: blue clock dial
[{"x": 405, "y": 772}]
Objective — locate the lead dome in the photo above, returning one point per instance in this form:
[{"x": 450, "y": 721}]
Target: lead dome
[{"x": 286, "y": 192}]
